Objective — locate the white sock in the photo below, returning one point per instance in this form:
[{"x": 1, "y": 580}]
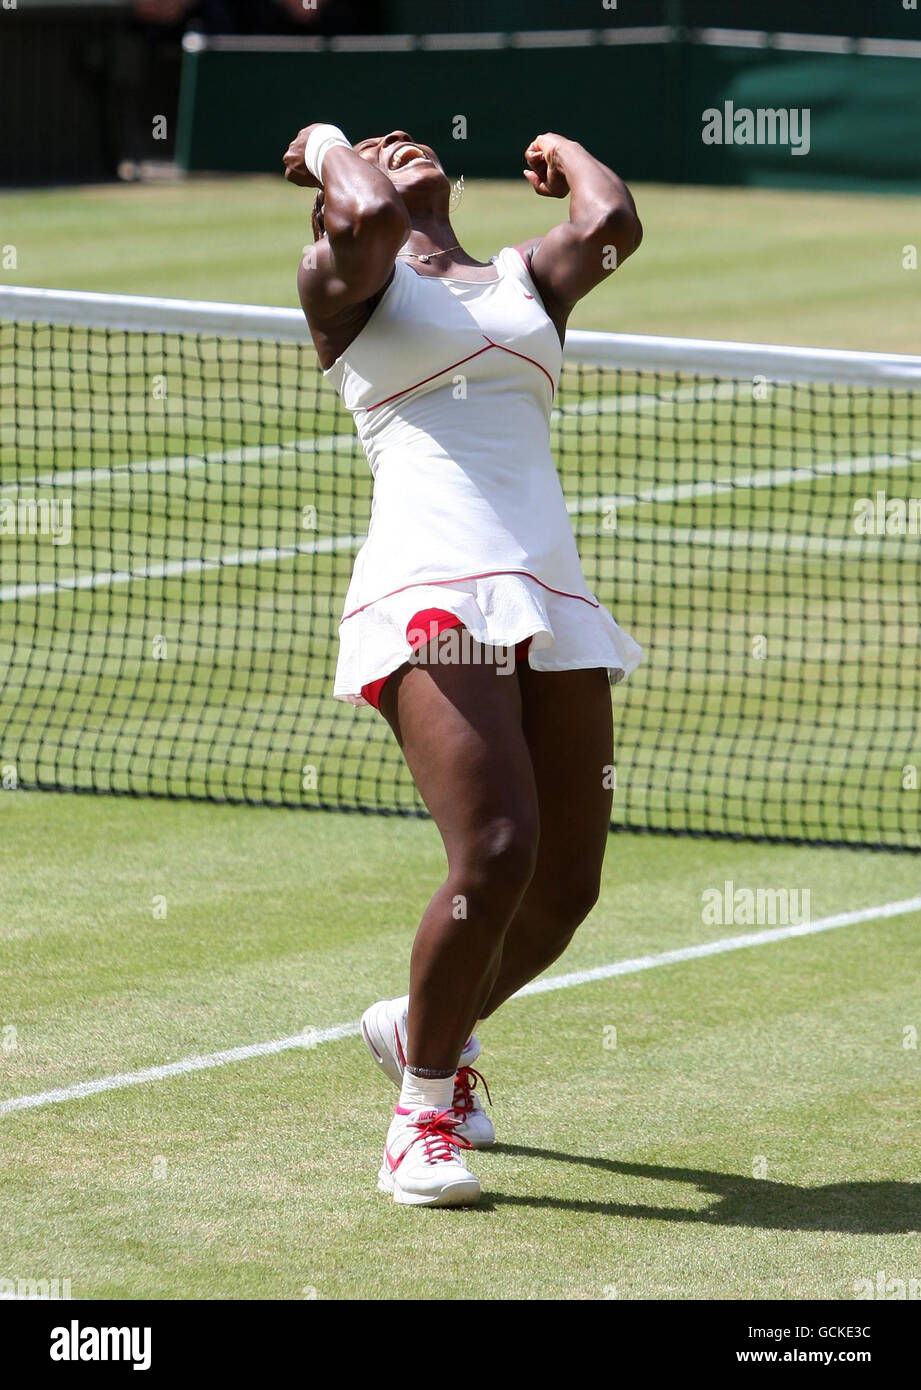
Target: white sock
[{"x": 426, "y": 1092}]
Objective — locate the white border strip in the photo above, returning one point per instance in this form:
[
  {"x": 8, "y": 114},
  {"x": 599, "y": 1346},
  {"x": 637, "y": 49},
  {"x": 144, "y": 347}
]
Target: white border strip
[
  {"x": 813, "y": 43},
  {"x": 889, "y": 48},
  {"x": 147, "y": 314},
  {"x": 635, "y": 352},
  {"x": 730, "y": 38},
  {"x": 451, "y": 42},
  {"x": 475, "y": 41},
  {"x": 742, "y": 361},
  {"x": 194, "y": 42},
  {"x": 554, "y": 38},
  {"x": 312, "y": 1037},
  {"x": 640, "y": 34}
]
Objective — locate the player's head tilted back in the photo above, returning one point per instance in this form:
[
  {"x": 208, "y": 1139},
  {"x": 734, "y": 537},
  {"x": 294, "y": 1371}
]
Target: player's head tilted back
[{"x": 413, "y": 168}]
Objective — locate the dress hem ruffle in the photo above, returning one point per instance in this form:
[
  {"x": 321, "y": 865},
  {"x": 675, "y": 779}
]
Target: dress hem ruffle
[{"x": 568, "y": 633}]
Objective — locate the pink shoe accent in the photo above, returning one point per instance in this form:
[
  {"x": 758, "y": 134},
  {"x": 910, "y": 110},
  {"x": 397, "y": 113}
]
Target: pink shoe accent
[
  {"x": 400, "y": 1053},
  {"x": 437, "y": 1134},
  {"x": 465, "y": 1084}
]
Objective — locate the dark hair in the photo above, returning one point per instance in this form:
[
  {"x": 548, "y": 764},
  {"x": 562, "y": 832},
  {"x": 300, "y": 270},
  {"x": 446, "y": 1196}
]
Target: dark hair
[{"x": 317, "y": 220}]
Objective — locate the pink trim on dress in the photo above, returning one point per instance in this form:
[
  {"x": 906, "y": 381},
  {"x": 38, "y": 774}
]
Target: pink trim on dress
[
  {"x": 467, "y": 578},
  {"x": 405, "y": 389}
]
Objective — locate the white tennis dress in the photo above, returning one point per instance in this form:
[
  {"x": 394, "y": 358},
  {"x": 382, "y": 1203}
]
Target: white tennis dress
[{"x": 451, "y": 384}]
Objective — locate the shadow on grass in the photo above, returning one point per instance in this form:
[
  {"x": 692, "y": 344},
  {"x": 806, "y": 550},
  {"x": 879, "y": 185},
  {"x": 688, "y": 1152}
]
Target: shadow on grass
[{"x": 865, "y": 1208}]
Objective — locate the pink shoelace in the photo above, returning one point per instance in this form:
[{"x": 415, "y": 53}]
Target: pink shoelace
[
  {"x": 465, "y": 1084},
  {"x": 437, "y": 1136}
]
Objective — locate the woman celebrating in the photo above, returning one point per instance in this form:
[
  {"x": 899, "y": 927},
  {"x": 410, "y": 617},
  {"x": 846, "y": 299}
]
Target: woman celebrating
[{"x": 468, "y": 622}]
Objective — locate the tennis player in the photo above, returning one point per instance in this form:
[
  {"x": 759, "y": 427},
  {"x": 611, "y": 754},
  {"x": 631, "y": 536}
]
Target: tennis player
[{"x": 468, "y": 623}]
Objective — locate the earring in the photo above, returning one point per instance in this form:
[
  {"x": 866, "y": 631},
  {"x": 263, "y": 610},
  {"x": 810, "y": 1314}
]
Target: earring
[{"x": 457, "y": 192}]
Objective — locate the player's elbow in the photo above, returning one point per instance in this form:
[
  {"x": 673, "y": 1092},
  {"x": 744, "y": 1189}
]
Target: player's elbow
[
  {"x": 382, "y": 221},
  {"x": 618, "y": 230},
  {"x": 385, "y": 218}
]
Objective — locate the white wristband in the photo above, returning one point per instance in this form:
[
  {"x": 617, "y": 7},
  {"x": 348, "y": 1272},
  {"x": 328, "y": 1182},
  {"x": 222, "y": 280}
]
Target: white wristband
[{"x": 320, "y": 140}]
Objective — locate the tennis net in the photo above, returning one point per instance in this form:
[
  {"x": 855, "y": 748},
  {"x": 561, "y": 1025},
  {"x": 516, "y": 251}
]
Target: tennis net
[{"x": 182, "y": 497}]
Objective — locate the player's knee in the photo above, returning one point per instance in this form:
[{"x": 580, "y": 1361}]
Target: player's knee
[
  {"x": 500, "y": 862},
  {"x": 508, "y": 852}
]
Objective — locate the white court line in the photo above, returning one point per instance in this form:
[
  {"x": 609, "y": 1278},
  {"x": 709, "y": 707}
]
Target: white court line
[
  {"x": 314, "y": 1037},
  {"x": 172, "y": 569},
  {"x": 627, "y": 405},
  {"x": 250, "y": 453},
  {"x": 188, "y": 1064},
  {"x": 255, "y": 453},
  {"x": 670, "y": 492},
  {"x": 324, "y": 444},
  {"x": 789, "y": 543},
  {"x": 265, "y": 453},
  {"x": 717, "y": 948},
  {"x": 769, "y": 477}
]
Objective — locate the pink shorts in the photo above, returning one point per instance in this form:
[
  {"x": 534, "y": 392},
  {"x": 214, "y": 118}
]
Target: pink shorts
[{"x": 425, "y": 627}]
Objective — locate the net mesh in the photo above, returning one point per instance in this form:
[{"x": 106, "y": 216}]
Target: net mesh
[{"x": 179, "y": 514}]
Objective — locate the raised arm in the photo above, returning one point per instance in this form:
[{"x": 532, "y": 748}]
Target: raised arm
[
  {"x": 602, "y": 231},
  {"x": 365, "y": 223}
]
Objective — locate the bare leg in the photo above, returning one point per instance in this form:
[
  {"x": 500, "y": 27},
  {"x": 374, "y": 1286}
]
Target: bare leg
[
  {"x": 568, "y": 727},
  {"x": 459, "y": 727}
]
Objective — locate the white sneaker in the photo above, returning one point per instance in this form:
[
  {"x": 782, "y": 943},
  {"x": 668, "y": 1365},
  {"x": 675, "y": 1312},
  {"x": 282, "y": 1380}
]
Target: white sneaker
[
  {"x": 383, "y": 1027},
  {"x": 423, "y": 1165},
  {"x": 473, "y": 1122}
]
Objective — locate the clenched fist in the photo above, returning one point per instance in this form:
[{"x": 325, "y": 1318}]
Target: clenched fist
[
  {"x": 544, "y": 172},
  {"x": 296, "y": 170}
]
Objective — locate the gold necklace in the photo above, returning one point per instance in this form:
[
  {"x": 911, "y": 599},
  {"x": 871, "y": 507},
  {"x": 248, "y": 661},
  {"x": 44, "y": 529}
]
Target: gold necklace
[{"x": 427, "y": 256}]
